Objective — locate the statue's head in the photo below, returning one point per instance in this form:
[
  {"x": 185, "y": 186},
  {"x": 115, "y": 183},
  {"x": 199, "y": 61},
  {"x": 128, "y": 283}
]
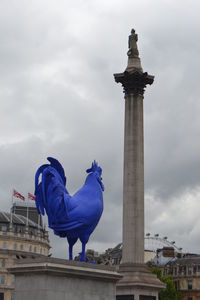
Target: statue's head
[
  {"x": 133, "y": 36},
  {"x": 97, "y": 171}
]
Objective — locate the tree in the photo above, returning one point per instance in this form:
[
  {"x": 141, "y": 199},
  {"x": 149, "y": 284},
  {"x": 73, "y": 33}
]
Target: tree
[{"x": 169, "y": 293}]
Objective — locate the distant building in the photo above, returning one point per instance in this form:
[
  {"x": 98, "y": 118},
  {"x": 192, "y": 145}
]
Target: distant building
[
  {"x": 186, "y": 275},
  {"x": 164, "y": 255},
  {"x": 184, "y": 268},
  {"x": 19, "y": 238},
  {"x": 21, "y": 209},
  {"x": 158, "y": 251},
  {"x": 112, "y": 256}
]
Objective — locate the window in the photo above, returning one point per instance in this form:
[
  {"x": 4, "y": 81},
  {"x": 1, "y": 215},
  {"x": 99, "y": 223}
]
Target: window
[
  {"x": 189, "y": 284},
  {"x": 147, "y": 297},
  {"x": 184, "y": 270},
  {"x": 21, "y": 247},
  {"x": 35, "y": 250},
  {"x": 189, "y": 270},
  {"x": 30, "y": 248},
  {"x": 3, "y": 279},
  {"x": 3, "y": 263},
  {"x": 125, "y": 297},
  {"x": 177, "y": 285},
  {"x": 1, "y": 296},
  {"x": 20, "y": 229},
  {"x": 4, "y": 246},
  {"x": 13, "y": 280},
  {"x": 15, "y": 246},
  {"x": 4, "y": 228}
]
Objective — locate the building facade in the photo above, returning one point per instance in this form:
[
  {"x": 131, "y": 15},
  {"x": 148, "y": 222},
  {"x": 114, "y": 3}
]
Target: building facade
[
  {"x": 112, "y": 256},
  {"x": 19, "y": 238},
  {"x": 186, "y": 275}
]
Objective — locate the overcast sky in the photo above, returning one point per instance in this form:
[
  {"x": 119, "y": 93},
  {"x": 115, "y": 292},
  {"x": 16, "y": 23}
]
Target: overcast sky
[{"x": 59, "y": 98}]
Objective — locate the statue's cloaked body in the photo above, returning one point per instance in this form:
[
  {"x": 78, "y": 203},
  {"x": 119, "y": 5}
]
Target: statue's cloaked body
[
  {"x": 132, "y": 44},
  {"x": 74, "y": 216}
]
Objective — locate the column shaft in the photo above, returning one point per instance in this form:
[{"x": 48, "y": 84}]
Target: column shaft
[{"x": 133, "y": 186}]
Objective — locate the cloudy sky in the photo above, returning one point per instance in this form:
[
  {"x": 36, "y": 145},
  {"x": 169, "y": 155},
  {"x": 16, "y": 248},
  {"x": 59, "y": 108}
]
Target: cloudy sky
[{"x": 59, "y": 98}]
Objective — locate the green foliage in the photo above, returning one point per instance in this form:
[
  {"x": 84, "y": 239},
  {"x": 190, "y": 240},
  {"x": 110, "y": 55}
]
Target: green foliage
[{"x": 169, "y": 293}]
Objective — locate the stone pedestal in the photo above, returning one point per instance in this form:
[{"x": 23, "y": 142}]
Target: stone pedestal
[
  {"x": 50, "y": 279},
  {"x": 137, "y": 283}
]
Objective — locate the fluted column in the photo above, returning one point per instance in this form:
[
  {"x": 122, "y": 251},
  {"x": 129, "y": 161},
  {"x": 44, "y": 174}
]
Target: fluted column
[
  {"x": 137, "y": 282},
  {"x": 133, "y": 191},
  {"x": 134, "y": 81}
]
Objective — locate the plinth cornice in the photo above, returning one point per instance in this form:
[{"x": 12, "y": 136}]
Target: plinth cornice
[
  {"x": 134, "y": 81},
  {"x": 61, "y": 267}
]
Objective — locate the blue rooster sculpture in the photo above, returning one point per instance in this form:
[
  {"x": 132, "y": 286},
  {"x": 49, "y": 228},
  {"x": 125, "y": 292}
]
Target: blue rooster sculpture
[{"x": 74, "y": 217}]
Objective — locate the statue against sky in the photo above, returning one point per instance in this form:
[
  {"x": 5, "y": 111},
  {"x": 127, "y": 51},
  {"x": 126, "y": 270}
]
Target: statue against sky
[{"x": 132, "y": 45}]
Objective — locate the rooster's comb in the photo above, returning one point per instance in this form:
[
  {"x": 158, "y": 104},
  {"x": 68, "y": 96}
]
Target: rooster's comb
[{"x": 94, "y": 168}]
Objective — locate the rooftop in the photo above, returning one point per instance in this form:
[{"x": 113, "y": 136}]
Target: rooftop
[{"x": 5, "y": 218}]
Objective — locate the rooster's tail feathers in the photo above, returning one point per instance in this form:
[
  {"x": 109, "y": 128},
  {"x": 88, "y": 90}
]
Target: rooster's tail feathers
[
  {"x": 38, "y": 190},
  {"x": 42, "y": 187},
  {"x": 57, "y": 165}
]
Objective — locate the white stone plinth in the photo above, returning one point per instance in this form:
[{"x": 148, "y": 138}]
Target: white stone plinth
[{"x": 50, "y": 279}]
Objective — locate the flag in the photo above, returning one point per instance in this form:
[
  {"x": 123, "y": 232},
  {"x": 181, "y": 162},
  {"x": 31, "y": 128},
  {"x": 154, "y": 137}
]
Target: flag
[
  {"x": 31, "y": 197},
  {"x": 18, "y": 195}
]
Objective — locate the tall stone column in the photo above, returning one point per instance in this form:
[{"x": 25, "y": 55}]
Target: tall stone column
[
  {"x": 137, "y": 281},
  {"x": 133, "y": 192}
]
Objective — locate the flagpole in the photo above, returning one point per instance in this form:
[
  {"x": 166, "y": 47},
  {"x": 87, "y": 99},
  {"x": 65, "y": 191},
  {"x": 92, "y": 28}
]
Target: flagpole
[
  {"x": 27, "y": 215},
  {"x": 11, "y": 214},
  {"x": 38, "y": 220}
]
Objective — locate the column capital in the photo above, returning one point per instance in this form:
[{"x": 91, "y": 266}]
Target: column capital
[{"x": 134, "y": 81}]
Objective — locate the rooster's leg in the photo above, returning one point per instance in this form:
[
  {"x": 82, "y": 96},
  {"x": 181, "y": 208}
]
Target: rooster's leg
[
  {"x": 71, "y": 242},
  {"x": 83, "y": 253},
  {"x": 70, "y": 252}
]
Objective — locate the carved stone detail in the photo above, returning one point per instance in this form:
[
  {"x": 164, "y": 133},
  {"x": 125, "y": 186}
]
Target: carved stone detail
[{"x": 134, "y": 82}]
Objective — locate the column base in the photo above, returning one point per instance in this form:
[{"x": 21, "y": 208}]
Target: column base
[{"x": 138, "y": 283}]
